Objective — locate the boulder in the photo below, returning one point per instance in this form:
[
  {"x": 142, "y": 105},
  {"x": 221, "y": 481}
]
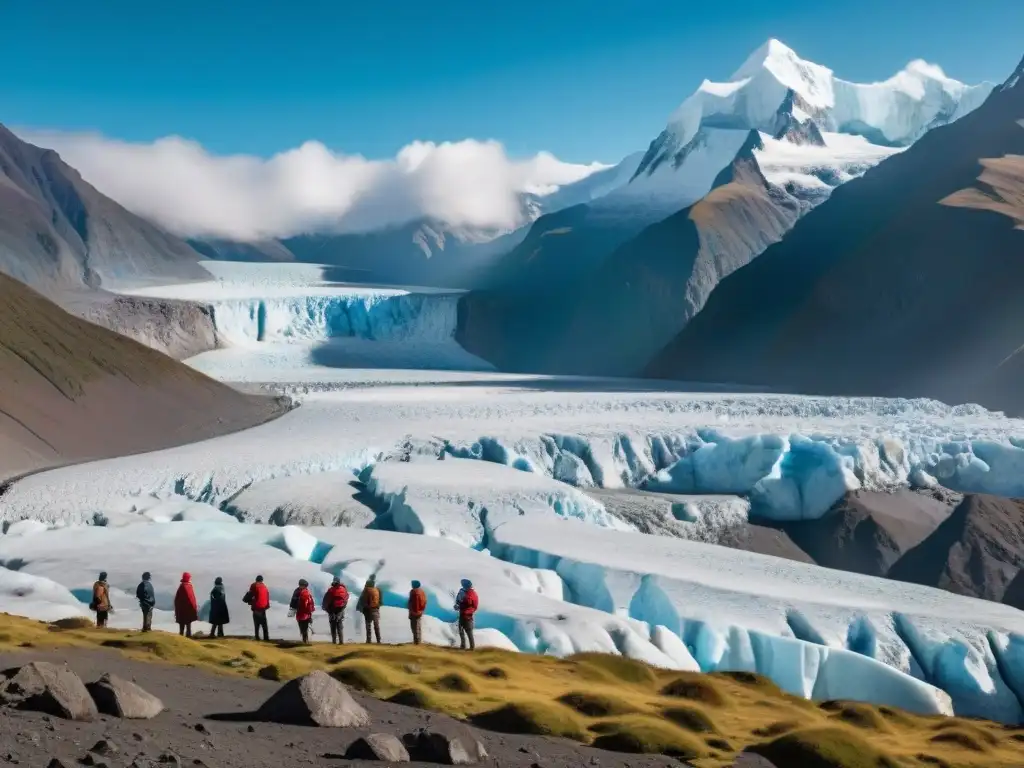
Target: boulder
[
  {"x": 122, "y": 698},
  {"x": 314, "y": 699},
  {"x": 378, "y": 746},
  {"x": 446, "y": 745},
  {"x": 43, "y": 687}
]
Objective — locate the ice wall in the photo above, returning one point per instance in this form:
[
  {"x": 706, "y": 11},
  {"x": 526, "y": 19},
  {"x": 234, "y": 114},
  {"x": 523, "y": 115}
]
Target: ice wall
[{"x": 379, "y": 316}]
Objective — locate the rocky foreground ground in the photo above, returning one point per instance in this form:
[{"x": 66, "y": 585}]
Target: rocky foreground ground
[{"x": 211, "y": 721}]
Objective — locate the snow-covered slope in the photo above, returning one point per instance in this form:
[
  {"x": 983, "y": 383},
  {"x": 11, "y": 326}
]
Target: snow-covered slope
[{"x": 778, "y": 93}]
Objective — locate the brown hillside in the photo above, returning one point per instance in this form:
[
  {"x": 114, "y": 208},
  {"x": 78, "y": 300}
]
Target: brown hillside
[{"x": 71, "y": 391}]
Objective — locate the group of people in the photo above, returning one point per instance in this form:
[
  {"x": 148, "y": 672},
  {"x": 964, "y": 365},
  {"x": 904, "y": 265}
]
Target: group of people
[{"x": 302, "y": 607}]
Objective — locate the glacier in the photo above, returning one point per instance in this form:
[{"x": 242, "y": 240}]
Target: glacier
[
  {"x": 272, "y": 320},
  {"x": 442, "y": 475}
]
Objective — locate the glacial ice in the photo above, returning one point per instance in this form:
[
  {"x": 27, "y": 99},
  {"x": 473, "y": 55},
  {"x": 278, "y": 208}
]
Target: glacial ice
[
  {"x": 680, "y": 608},
  {"x": 814, "y": 631},
  {"x": 792, "y": 457}
]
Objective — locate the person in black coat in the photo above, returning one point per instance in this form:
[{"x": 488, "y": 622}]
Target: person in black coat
[
  {"x": 147, "y": 601},
  {"x": 218, "y": 609}
]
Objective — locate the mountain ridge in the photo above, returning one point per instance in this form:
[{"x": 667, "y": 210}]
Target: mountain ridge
[{"x": 891, "y": 249}]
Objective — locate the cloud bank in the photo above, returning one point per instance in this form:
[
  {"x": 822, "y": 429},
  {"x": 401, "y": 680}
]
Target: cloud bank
[{"x": 179, "y": 185}]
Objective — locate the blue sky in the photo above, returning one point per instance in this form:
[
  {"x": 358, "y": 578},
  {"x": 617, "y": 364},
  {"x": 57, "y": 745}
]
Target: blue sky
[{"x": 585, "y": 80}]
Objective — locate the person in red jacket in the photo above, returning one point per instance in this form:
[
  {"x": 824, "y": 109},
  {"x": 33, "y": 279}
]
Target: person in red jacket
[
  {"x": 304, "y": 607},
  {"x": 258, "y": 599},
  {"x": 186, "y": 609},
  {"x": 466, "y": 603},
  {"x": 417, "y": 606},
  {"x": 334, "y": 604}
]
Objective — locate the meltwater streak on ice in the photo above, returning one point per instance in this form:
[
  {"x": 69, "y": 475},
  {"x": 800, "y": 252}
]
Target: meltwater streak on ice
[{"x": 366, "y": 315}]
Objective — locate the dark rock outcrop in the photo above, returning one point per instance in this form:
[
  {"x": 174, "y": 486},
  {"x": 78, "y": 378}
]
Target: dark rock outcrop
[
  {"x": 866, "y": 531},
  {"x": 314, "y": 699},
  {"x": 43, "y": 687},
  {"x": 123, "y": 698},
  {"x": 978, "y": 551}
]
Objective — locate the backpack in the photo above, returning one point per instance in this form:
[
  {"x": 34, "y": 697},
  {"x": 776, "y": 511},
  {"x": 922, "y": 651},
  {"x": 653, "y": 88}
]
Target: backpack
[
  {"x": 294, "y": 604},
  {"x": 372, "y": 601}
]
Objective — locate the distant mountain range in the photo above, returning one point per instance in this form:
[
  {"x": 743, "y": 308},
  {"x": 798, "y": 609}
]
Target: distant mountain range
[
  {"x": 600, "y": 288},
  {"x": 907, "y": 282}
]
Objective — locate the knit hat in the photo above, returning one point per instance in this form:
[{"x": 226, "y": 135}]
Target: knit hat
[
  {"x": 146, "y": 576},
  {"x": 218, "y": 581},
  {"x": 466, "y": 583},
  {"x": 103, "y": 575},
  {"x": 415, "y": 584},
  {"x": 372, "y": 580},
  {"x": 259, "y": 579},
  {"x": 303, "y": 583}
]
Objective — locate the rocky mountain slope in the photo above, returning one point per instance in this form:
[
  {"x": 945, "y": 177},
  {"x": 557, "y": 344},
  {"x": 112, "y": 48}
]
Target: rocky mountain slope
[
  {"x": 977, "y": 551},
  {"x": 902, "y": 284},
  {"x": 768, "y": 145},
  {"x": 57, "y": 231},
  {"x": 74, "y": 391},
  {"x": 61, "y": 236}
]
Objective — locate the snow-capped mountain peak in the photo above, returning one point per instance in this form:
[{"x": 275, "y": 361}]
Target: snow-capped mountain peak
[
  {"x": 811, "y": 82},
  {"x": 788, "y": 98}
]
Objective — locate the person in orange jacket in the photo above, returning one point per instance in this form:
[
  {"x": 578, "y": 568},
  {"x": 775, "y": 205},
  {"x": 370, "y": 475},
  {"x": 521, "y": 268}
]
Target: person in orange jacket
[
  {"x": 417, "y": 606},
  {"x": 186, "y": 609},
  {"x": 466, "y": 603},
  {"x": 101, "y": 600},
  {"x": 369, "y": 606},
  {"x": 334, "y": 603},
  {"x": 304, "y": 607}
]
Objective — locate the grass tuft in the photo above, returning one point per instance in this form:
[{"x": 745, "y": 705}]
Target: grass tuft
[
  {"x": 454, "y": 682},
  {"x": 644, "y": 735},
  {"x": 823, "y": 748},
  {"x": 365, "y": 676},
  {"x": 417, "y": 697},
  {"x": 690, "y": 719},
  {"x": 534, "y": 717},
  {"x": 592, "y": 704},
  {"x": 696, "y": 687}
]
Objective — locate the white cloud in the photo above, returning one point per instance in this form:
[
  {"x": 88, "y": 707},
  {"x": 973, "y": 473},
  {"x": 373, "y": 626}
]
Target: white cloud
[{"x": 178, "y": 184}]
